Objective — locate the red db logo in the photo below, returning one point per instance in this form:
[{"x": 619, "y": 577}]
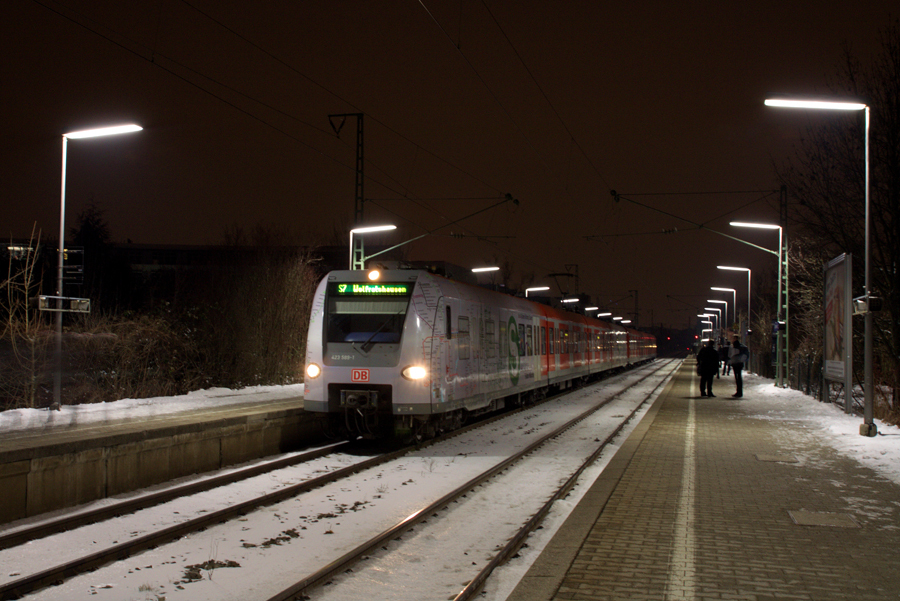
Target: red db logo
[{"x": 359, "y": 375}]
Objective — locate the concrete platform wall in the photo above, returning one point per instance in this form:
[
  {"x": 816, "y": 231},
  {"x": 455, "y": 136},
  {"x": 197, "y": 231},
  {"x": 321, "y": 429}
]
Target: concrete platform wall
[{"x": 73, "y": 474}]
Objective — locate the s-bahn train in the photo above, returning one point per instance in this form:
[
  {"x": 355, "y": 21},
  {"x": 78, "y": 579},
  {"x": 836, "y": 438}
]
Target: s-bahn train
[{"x": 408, "y": 353}]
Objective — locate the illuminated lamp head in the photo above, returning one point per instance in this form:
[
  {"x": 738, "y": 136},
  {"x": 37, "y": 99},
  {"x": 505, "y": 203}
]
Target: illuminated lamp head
[{"x": 374, "y": 275}]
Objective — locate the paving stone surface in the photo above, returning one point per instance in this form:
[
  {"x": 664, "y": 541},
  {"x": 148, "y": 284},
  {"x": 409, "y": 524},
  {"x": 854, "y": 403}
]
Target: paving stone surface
[{"x": 702, "y": 511}]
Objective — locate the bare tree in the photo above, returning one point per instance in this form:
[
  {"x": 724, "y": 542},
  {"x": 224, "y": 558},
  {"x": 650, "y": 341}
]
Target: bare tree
[{"x": 25, "y": 337}]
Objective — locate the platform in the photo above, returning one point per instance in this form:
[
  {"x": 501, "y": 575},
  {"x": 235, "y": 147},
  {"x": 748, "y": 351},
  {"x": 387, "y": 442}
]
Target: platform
[{"x": 710, "y": 499}]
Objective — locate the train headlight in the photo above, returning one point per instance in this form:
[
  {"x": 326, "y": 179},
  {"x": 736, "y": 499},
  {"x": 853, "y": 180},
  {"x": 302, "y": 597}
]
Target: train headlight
[
  {"x": 414, "y": 372},
  {"x": 313, "y": 371}
]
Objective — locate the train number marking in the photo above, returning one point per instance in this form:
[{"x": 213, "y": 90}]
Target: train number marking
[{"x": 359, "y": 375}]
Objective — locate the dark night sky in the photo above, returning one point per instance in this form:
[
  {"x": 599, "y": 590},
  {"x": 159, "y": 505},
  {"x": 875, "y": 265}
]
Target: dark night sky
[{"x": 654, "y": 99}]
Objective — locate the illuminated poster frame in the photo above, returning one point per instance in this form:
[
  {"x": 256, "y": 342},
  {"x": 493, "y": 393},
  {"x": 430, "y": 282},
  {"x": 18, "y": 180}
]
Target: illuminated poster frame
[{"x": 838, "y": 311}]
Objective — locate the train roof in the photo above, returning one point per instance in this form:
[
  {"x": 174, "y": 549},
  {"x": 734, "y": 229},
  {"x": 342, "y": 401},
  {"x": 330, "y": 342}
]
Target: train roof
[{"x": 549, "y": 309}]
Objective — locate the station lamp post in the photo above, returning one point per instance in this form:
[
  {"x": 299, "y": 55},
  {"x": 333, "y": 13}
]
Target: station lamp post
[
  {"x": 733, "y": 297},
  {"x": 721, "y": 302},
  {"x": 747, "y": 269},
  {"x": 868, "y": 427},
  {"x": 75, "y": 135},
  {"x": 536, "y": 289},
  {"x": 358, "y": 263},
  {"x": 782, "y": 317},
  {"x": 719, "y": 321}
]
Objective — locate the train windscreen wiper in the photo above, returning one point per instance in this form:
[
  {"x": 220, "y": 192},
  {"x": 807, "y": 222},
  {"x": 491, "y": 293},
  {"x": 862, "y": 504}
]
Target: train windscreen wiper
[{"x": 364, "y": 348}]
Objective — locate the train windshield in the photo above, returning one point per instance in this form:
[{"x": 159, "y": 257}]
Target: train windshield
[{"x": 366, "y": 313}]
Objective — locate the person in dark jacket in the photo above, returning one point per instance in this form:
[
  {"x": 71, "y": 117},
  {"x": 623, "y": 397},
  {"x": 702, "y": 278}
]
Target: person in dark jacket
[
  {"x": 724, "y": 357},
  {"x": 707, "y": 368},
  {"x": 738, "y": 356}
]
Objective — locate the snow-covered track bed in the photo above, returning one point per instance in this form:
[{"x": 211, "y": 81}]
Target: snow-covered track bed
[{"x": 91, "y": 538}]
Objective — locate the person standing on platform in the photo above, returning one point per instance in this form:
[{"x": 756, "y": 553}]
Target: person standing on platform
[
  {"x": 707, "y": 367},
  {"x": 725, "y": 357},
  {"x": 740, "y": 354}
]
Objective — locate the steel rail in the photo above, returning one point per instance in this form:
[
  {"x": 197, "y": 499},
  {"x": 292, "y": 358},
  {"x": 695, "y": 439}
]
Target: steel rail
[
  {"x": 70, "y": 522},
  {"x": 341, "y": 564}
]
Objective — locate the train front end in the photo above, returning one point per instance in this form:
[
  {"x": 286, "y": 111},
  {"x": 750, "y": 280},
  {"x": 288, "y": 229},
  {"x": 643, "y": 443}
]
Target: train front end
[{"x": 364, "y": 353}]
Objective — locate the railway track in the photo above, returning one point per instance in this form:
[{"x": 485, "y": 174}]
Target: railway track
[
  {"x": 304, "y": 586},
  {"x": 93, "y": 561}
]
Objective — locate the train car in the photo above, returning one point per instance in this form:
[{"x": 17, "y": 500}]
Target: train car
[{"x": 409, "y": 353}]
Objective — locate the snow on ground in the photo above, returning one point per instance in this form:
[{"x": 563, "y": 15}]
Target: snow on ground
[
  {"x": 97, "y": 413},
  {"x": 826, "y": 422}
]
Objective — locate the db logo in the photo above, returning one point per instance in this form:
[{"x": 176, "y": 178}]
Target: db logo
[{"x": 359, "y": 375}]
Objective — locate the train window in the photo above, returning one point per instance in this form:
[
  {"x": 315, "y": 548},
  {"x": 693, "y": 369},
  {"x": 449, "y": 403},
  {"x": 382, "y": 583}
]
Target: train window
[
  {"x": 543, "y": 340},
  {"x": 365, "y": 319},
  {"x": 449, "y": 324},
  {"x": 521, "y": 330},
  {"x": 462, "y": 332}
]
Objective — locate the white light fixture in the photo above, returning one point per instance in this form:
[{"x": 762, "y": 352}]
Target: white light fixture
[
  {"x": 569, "y": 300},
  {"x": 103, "y": 131},
  {"x": 485, "y": 269},
  {"x": 815, "y": 104},
  {"x": 604, "y": 314},
  {"x": 537, "y": 289},
  {"x": 587, "y": 309},
  {"x": 373, "y": 228},
  {"x": 761, "y": 226}
]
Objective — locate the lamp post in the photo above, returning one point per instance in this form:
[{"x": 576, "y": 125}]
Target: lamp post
[
  {"x": 747, "y": 269},
  {"x": 733, "y": 296},
  {"x": 868, "y": 427},
  {"x": 712, "y": 324},
  {"x": 75, "y": 135},
  {"x": 721, "y": 302},
  {"x": 719, "y": 321},
  {"x": 781, "y": 350},
  {"x": 360, "y": 263}
]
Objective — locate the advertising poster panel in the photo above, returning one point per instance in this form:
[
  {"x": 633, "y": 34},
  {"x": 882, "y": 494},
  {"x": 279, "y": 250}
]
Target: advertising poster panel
[{"x": 838, "y": 326}]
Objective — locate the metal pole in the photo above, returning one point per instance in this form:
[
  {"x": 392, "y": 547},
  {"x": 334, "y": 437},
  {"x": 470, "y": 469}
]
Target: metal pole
[
  {"x": 747, "y": 343},
  {"x": 779, "y": 372},
  {"x": 57, "y": 376},
  {"x": 868, "y": 428}
]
